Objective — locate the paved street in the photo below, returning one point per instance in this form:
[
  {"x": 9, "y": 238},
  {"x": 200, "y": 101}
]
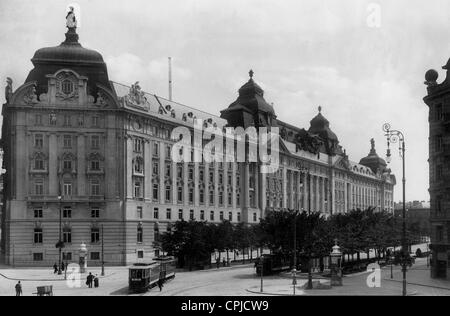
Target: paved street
[{"x": 236, "y": 281}]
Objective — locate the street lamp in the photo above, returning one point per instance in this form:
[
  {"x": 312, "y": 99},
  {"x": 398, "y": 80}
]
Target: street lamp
[
  {"x": 294, "y": 270},
  {"x": 60, "y": 242},
  {"x": 394, "y": 136}
]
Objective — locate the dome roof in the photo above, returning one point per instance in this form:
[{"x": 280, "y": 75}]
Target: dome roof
[
  {"x": 321, "y": 126},
  {"x": 373, "y": 161},
  {"x": 69, "y": 54}
]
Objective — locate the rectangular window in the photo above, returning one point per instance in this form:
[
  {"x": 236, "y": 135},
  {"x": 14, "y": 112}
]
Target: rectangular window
[
  {"x": 95, "y": 235},
  {"x": 230, "y": 216},
  {"x": 140, "y": 214},
  {"x": 191, "y": 173},
  {"x": 138, "y": 144},
  {"x": 191, "y": 195},
  {"x": 95, "y": 165},
  {"x": 67, "y": 235},
  {"x": 67, "y": 212},
  {"x": 255, "y": 217},
  {"x": 439, "y": 143},
  {"x": 220, "y": 198},
  {"x": 202, "y": 196},
  {"x": 211, "y": 197},
  {"x": 155, "y": 168},
  {"x": 211, "y": 215},
  {"x": 191, "y": 215},
  {"x": 239, "y": 216},
  {"x": 67, "y": 165},
  {"x": 221, "y": 216},
  {"x": 180, "y": 172},
  {"x": 95, "y": 142},
  {"x": 140, "y": 234},
  {"x": 67, "y": 141},
  {"x": 67, "y": 188},
  {"x": 95, "y": 187},
  {"x": 168, "y": 170},
  {"x": 38, "y": 140},
  {"x": 155, "y": 213},
  {"x": 202, "y": 215},
  {"x": 168, "y": 193},
  {"x": 155, "y": 191},
  {"x": 38, "y": 256},
  {"x": 38, "y": 213},
  {"x": 156, "y": 149},
  {"x": 168, "y": 152},
  {"x": 67, "y": 256},
  {"x": 140, "y": 254},
  {"x": 230, "y": 198},
  {"x": 211, "y": 177},
  {"x": 39, "y": 187},
  {"x": 180, "y": 194},
  {"x": 137, "y": 189},
  {"x": 180, "y": 214},
  {"x": 168, "y": 213},
  {"x": 95, "y": 255},
  {"x": 39, "y": 164},
  {"x": 95, "y": 213},
  {"x": 438, "y": 172},
  {"x": 38, "y": 236}
]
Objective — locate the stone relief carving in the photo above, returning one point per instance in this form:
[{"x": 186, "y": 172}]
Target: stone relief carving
[
  {"x": 30, "y": 96},
  {"x": 66, "y": 86}
]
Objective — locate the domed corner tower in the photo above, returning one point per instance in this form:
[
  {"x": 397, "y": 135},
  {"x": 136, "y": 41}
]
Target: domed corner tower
[
  {"x": 373, "y": 161},
  {"x": 320, "y": 126},
  {"x": 250, "y": 108},
  {"x": 84, "y": 63}
]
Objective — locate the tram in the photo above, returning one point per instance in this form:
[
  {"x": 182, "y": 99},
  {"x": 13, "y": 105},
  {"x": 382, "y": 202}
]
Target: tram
[
  {"x": 143, "y": 276},
  {"x": 271, "y": 264}
]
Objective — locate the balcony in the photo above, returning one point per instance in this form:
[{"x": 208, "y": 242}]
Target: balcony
[{"x": 72, "y": 198}]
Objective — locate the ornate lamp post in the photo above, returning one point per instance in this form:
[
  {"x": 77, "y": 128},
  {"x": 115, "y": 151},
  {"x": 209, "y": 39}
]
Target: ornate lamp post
[
  {"x": 336, "y": 259},
  {"x": 394, "y": 136}
]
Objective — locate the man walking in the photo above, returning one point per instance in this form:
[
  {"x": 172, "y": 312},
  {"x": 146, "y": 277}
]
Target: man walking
[
  {"x": 18, "y": 289},
  {"x": 89, "y": 280},
  {"x": 55, "y": 268}
]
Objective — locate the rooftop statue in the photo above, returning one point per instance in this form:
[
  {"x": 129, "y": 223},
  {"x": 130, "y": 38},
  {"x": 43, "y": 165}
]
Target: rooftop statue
[
  {"x": 71, "y": 20},
  {"x": 8, "y": 89}
]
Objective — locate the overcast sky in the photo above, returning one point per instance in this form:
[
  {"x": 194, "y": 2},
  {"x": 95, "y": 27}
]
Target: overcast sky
[{"x": 363, "y": 69}]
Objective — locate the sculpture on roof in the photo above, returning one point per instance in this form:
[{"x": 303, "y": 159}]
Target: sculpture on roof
[
  {"x": 308, "y": 142},
  {"x": 71, "y": 20},
  {"x": 136, "y": 96},
  {"x": 8, "y": 89}
]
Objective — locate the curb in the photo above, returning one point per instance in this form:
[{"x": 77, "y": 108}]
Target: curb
[
  {"x": 419, "y": 284},
  {"x": 46, "y": 280}
]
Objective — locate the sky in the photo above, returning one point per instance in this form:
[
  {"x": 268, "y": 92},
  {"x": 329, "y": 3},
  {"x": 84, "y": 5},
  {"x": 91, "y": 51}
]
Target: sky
[{"x": 362, "y": 61}]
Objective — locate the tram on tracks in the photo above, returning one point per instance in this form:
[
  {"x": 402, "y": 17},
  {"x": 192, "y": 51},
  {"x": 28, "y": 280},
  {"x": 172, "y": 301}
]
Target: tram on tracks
[{"x": 143, "y": 276}]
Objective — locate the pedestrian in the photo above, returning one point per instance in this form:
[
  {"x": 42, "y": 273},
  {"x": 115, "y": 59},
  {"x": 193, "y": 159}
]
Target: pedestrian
[
  {"x": 62, "y": 266},
  {"x": 224, "y": 262},
  {"x": 218, "y": 263},
  {"x": 55, "y": 268},
  {"x": 160, "y": 284},
  {"x": 96, "y": 282},
  {"x": 89, "y": 280},
  {"x": 18, "y": 289}
]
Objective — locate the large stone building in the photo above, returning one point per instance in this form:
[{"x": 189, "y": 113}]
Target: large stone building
[
  {"x": 99, "y": 153},
  {"x": 438, "y": 101}
]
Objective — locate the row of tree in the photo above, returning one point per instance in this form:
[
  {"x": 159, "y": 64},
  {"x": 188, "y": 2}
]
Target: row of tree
[{"x": 355, "y": 231}]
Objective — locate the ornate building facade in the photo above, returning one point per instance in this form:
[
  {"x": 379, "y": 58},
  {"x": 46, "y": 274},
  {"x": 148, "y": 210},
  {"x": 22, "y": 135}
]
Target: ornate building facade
[
  {"x": 91, "y": 159},
  {"x": 438, "y": 103}
]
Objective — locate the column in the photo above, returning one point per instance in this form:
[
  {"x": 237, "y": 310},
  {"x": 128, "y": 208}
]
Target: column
[
  {"x": 233, "y": 184},
  {"x": 81, "y": 168},
  {"x": 284, "y": 187},
  {"x": 322, "y": 193},
  {"x": 52, "y": 166},
  {"x": 311, "y": 194},
  {"x": 129, "y": 166},
  {"x": 174, "y": 186},
  {"x": 216, "y": 186},
  {"x": 197, "y": 185},
  {"x": 305, "y": 191},
  {"x": 317, "y": 196},
  {"x": 162, "y": 159},
  {"x": 185, "y": 183},
  {"x": 291, "y": 189},
  {"x": 257, "y": 175},
  {"x": 21, "y": 162},
  {"x": 111, "y": 155},
  {"x": 148, "y": 171},
  {"x": 263, "y": 193},
  {"x": 206, "y": 179},
  {"x": 345, "y": 196}
]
